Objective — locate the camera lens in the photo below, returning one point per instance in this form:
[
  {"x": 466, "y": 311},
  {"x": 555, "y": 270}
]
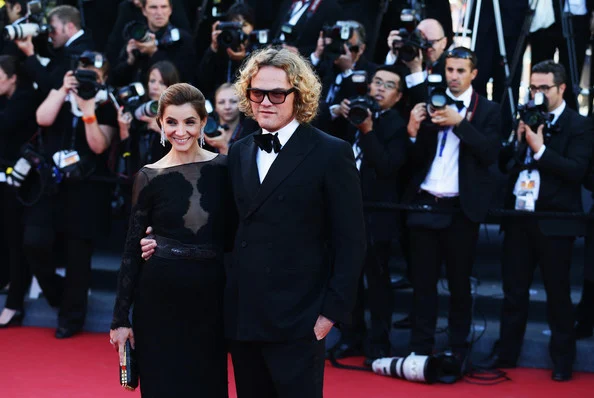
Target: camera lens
[
  {"x": 358, "y": 114},
  {"x": 211, "y": 129}
]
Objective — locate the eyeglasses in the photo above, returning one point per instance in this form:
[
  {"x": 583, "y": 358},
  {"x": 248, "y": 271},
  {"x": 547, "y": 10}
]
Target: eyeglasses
[
  {"x": 432, "y": 42},
  {"x": 274, "y": 96},
  {"x": 387, "y": 85},
  {"x": 543, "y": 88}
]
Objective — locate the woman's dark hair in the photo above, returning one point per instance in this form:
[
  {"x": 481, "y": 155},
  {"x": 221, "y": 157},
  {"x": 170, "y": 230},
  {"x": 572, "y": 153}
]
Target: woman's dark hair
[
  {"x": 168, "y": 71},
  {"x": 181, "y": 94},
  {"x": 10, "y": 65}
]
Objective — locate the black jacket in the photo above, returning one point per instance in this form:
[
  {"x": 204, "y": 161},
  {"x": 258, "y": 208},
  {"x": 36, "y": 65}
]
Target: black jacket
[
  {"x": 479, "y": 149},
  {"x": 17, "y": 119},
  {"x": 300, "y": 243},
  {"x": 562, "y": 169},
  {"x": 65, "y": 58}
]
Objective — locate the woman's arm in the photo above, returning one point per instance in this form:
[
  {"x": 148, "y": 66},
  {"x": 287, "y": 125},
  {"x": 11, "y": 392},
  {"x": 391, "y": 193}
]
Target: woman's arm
[{"x": 50, "y": 107}]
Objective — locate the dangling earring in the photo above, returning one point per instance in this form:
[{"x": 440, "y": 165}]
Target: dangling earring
[
  {"x": 162, "y": 136},
  {"x": 201, "y": 142}
]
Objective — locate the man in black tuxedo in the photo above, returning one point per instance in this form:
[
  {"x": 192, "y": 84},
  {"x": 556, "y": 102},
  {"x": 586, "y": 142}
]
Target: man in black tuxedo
[
  {"x": 379, "y": 143},
  {"x": 449, "y": 161},
  {"x": 300, "y": 242},
  {"x": 547, "y": 166},
  {"x": 68, "y": 40}
]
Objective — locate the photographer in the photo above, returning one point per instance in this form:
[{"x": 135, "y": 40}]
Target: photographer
[
  {"x": 546, "y": 165},
  {"x": 429, "y": 58},
  {"x": 17, "y": 118},
  {"x": 452, "y": 149},
  {"x": 379, "y": 143},
  {"x": 68, "y": 41},
  {"x": 79, "y": 126},
  {"x": 220, "y": 62},
  {"x": 14, "y": 10},
  {"x": 158, "y": 41}
]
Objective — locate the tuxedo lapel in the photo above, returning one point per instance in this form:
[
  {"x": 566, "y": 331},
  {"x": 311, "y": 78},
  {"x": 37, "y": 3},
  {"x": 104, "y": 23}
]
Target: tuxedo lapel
[
  {"x": 291, "y": 155},
  {"x": 249, "y": 168}
]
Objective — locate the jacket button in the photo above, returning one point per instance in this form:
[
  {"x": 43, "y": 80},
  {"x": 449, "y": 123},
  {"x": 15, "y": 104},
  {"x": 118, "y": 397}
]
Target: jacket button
[
  {"x": 281, "y": 197},
  {"x": 244, "y": 244}
]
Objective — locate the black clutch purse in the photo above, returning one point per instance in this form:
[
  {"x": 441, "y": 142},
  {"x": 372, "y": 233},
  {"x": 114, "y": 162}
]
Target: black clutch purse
[{"x": 129, "y": 370}]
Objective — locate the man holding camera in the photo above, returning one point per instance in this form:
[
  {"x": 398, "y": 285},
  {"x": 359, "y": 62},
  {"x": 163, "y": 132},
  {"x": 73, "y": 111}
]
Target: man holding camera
[
  {"x": 158, "y": 41},
  {"x": 451, "y": 151},
  {"x": 547, "y": 164},
  {"x": 68, "y": 41},
  {"x": 379, "y": 144}
]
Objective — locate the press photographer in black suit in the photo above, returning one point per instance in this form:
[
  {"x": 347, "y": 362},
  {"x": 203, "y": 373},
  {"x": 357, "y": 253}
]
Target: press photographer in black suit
[
  {"x": 450, "y": 171},
  {"x": 164, "y": 42},
  {"x": 68, "y": 41},
  {"x": 379, "y": 144},
  {"x": 546, "y": 166}
]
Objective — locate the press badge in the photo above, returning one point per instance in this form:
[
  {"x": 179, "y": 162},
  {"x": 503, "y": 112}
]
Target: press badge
[
  {"x": 527, "y": 189},
  {"x": 65, "y": 158}
]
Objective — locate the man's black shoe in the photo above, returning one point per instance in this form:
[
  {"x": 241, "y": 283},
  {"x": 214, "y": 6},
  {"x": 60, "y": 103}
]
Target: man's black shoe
[
  {"x": 561, "y": 374},
  {"x": 583, "y": 330},
  {"x": 401, "y": 283},
  {"x": 64, "y": 333},
  {"x": 495, "y": 362},
  {"x": 404, "y": 323}
]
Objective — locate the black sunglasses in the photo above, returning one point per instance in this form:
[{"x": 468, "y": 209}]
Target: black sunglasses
[
  {"x": 274, "y": 96},
  {"x": 460, "y": 53}
]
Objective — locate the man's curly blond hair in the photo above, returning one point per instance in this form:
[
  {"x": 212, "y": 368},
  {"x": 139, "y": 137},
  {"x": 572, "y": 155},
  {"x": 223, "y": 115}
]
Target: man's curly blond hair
[{"x": 301, "y": 76}]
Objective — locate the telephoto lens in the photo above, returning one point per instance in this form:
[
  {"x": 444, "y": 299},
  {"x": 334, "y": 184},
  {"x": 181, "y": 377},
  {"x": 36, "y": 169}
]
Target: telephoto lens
[
  {"x": 24, "y": 30},
  {"x": 148, "y": 109},
  {"x": 418, "y": 368}
]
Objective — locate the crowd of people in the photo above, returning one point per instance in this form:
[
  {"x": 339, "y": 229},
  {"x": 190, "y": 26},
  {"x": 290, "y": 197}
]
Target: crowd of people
[{"x": 262, "y": 130}]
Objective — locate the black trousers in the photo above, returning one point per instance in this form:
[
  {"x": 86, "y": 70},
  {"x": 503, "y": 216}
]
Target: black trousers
[
  {"x": 585, "y": 308},
  {"x": 69, "y": 294},
  {"x": 379, "y": 299},
  {"x": 20, "y": 278},
  {"x": 524, "y": 248},
  {"x": 291, "y": 369},
  {"x": 455, "y": 246}
]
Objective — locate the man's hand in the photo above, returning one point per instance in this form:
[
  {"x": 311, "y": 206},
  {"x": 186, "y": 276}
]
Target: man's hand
[
  {"x": 447, "y": 116},
  {"x": 148, "y": 245},
  {"x": 521, "y": 132},
  {"x": 322, "y": 327},
  {"x": 124, "y": 121},
  {"x": 214, "y": 37},
  {"x": 345, "y": 61},
  {"x": 367, "y": 125},
  {"x": 130, "y": 47},
  {"x": 416, "y": 65},
  {"x": 319, "y": 51},
  {"x": 237, "y": 56},
  {"x": 535, "y": 140},
  {"x": 220, "y": 142},
  {"x": 26, "y": 46},
  {"x": 148, "y": 47},
  {"x": 417, "y": 115},
  {"x": 344, "y": 108},
  {"x": 393, "y": 35}
]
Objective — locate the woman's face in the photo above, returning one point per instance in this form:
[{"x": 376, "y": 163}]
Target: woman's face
[
  {"x": 7, "y": 84},
  {"x": 226, "y": 105},
  {"x": 182, "y": 126},
  {"x": 156, "y": 85}
]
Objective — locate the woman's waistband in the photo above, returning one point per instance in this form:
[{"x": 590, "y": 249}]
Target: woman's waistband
[{"x": 174, "y": 249}]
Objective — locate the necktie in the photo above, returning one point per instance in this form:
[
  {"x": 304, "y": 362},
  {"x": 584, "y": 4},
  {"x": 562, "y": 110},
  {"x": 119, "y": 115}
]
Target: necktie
[
  {"x": 459, "y": 104},
  {"x": 268, "y": 142}
]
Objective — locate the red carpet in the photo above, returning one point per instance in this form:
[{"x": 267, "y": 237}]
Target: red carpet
[{"x": 33, "y": 364}]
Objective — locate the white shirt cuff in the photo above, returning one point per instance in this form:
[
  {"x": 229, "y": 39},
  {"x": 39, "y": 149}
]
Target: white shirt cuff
[
  {"x": 390, "y": 58},
  {"x": 412, "y": 139},
  {"x": 415, "y": 79},
  {"x": 314, "y": 60},
  {"x": 333, "y": 115},
  {"x": 538, "y": 154}
]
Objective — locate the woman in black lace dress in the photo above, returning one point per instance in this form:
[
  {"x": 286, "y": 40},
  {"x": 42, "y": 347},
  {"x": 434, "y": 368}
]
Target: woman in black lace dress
[{"x": 177, "y": 326}]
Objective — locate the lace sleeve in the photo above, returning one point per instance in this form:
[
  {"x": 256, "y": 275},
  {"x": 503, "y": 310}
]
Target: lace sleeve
[{"x": 131, "y": 259}]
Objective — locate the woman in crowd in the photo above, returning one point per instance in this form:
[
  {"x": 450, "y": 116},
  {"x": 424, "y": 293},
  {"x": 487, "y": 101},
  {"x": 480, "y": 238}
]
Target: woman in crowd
[
  {"x": 80, "y": 124},
  {"x": 17, "y": 118},
  {"x": 177, "y": 323}
]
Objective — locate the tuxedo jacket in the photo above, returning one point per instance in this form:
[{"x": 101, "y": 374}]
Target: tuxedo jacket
[
  {"x": 479, "y": 149},
  {"x": 300, "y": 240},
  {"x": 562, "y": 169}
]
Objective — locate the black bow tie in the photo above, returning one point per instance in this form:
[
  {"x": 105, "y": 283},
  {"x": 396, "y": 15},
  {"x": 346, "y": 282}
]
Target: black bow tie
[
  {"x": 459, "y": 104},
  {"x": 268, "y": 142}
]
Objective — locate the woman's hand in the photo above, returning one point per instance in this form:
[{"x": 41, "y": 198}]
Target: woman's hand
[
  {"x": 148, "y": 244},
  {"x": 220, "y": 142},
  {"x": 69, "y": 83},
  {"x": 124, "y": 121},
  {"x": 214, "y": 44},
  {"x": 118, "y": 337}
]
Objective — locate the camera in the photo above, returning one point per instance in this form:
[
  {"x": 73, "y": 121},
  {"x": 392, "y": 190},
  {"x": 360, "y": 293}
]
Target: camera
[
  {"x": 408, "y": 47},
  {"x": 362, "y": 102},
  {"x": 442, "y": 367},
  {"x": 148, "y": 109},
  {"x": 259, "y": 38},
  {"x": 535, "y": 112},
  {"x": 231, "y": 36},
  {"x": 29, "y": 159},
  {"x": 87, "y": 83},
  {"x": 340, "y": 33},
  {"x": 436, "y": 93},
  {"x": 211, "y": 128},
  {"x": 31, "y": 25},
  {"x": 137, "y": 31},
  {"x": 130, "y": 96}
]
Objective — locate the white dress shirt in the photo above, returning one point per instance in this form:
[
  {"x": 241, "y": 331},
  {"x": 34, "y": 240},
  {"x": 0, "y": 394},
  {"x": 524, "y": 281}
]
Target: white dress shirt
[
  {"x": 74, "y": 37},
  {"x": 442, "y": 179},
  {"x": 264, "y": 160}
]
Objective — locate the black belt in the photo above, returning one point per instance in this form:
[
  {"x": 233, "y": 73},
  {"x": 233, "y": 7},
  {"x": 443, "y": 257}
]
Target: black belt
[
  {"x": 174, "y": 249},
  {"x": 427, "y": 195}
]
